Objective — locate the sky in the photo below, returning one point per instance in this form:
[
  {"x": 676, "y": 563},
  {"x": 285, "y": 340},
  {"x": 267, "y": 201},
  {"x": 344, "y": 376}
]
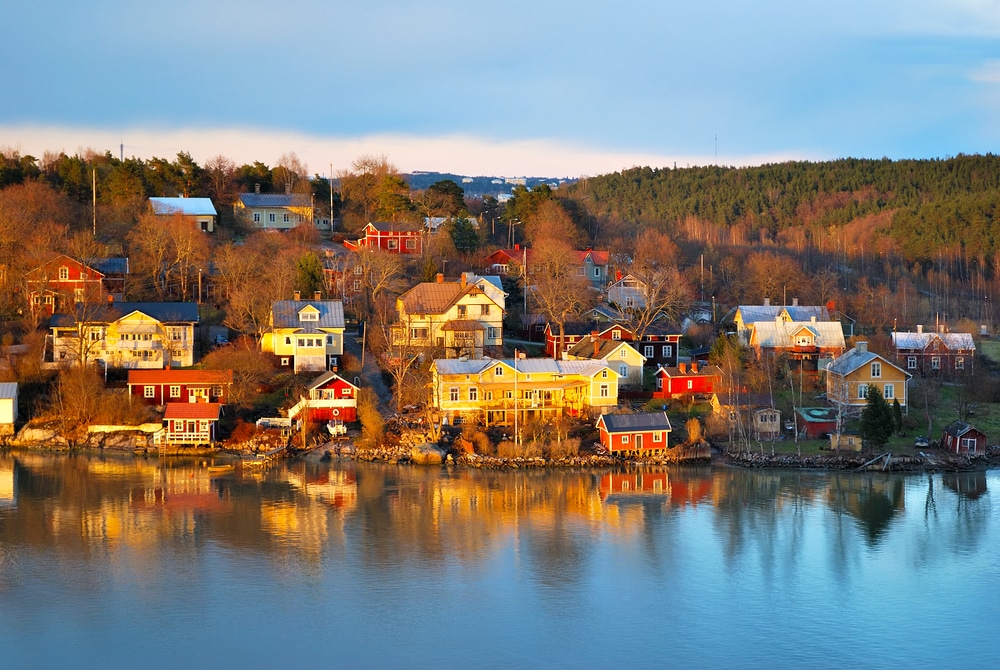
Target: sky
[{"x": 552, "y": 88}]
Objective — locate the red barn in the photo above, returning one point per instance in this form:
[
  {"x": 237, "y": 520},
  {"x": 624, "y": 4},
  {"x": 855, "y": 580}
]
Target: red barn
[
  {"x": 159, "y": 387},
  {"x": 634, "y": 432},
  {"x": 687, "y": 379}
]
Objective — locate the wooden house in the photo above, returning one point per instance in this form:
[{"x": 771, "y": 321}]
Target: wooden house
[
  {"x": 960, "y": 438},
  {"x": 687, "y": 379},
  {"x": 619, "y": 355},
  {"x": 306, "y": 335},
  {"x": 8, "y": 407},
  {"x": 189, "y": 424},
  {"x": 814, "y": 423},
  {"x": 845, "y": 441},
  {"x": 765, "y": 423},
  {"x": 329, "y": 397},
  {"x": 591, "y": 264},
  {"x": 930, "y": 353},
  {"x": 199, "y": 211},
  {"x": 742, "y": 317},
  {"x": 809, "y": 345},
  {"x": 849, "y": 377},
  {"x": 159, "y": 387},
  {"x": 394, "y": 238},
  {"x": 61, "y": 283},
  {"x": 634, "y": 432},
  {"x": 274, "y": 211},
  {"x": 658, "y": 346}
]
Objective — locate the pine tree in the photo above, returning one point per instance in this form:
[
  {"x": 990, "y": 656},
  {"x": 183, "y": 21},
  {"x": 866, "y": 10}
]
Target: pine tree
[
  {"x": 877, "y": 422},
  {"x": 897, "y": 415}
]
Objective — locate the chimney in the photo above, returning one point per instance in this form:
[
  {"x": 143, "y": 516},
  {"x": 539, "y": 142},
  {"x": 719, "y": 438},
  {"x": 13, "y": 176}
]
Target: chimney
[
  {"x": 767, "y": 302},
  {"x": 812, "y": 319},
  {"x": 920, "y": 328},
  {"x": 297, "y": 295},
  {"x": 683, "y": 367},
  {"x": 464, "y": 280},
  {"x": 439, "y": 278},
  {"x": 256, "y": 189},
  {"x": 940, "y": 327},
  {"x": 597, "y": 342},
  {"x": 288, "y": 188},
  {"x": 694, "y": 367},
  {"x": 317, "y": 295},
  {"x": 795, "y": 302},
  {"x": 517, "y": 247},
  {"x": 862, "y": 347}
]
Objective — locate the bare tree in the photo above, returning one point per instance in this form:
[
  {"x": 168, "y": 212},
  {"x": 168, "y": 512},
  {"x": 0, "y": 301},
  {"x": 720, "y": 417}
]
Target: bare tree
[
  {"x": 291, "y": 173},
  {"x": 557, "y": 287},
  {"x": 222, "y": 174},
  {"x": 662, "y": 292},
  {"x": 381, "y": 272}
]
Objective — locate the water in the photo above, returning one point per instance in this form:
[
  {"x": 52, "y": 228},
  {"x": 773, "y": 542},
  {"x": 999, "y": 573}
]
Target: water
[{"x": 122, "y": 563}]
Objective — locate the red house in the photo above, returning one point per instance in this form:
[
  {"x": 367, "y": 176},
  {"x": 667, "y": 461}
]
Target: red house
[
  {"x": 962, "y": 439},
  {"x": 658, "y": 347},
  {"x": 189, "y": 423},
  {"x": 396, "y": 238},
  {"x": 160, "y": 387},
  {"x": 56, "y": 286},
  {"x": 634, "y": 432},
  {"x": 329, "y": 397},
  {"x": 687, "y": 379}
]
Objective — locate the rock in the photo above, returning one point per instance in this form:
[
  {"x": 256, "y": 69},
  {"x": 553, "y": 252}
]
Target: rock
[{"x": 427, "y": 454}]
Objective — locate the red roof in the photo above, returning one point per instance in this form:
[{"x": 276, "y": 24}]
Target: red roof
[
  {"x": 192, "y": 410},
  {"x": 180, "y": 376}
]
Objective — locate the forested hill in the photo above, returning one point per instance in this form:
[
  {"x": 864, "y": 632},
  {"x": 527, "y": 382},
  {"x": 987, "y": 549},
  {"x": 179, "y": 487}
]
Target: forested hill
[{"x": 932, "y": 206}]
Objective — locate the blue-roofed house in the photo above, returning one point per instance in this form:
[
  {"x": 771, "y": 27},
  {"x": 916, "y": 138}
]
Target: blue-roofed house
[
  {"x": 126, "y": 334},
  {"x": 306, "y": 335},
  {"x": 849, "y": 377},
  {"x": 199, "y": 211},
  {"x": 274, "y": 211},
  {"x": 643, "y": 432},
  {"x": 8, "y": 407}
]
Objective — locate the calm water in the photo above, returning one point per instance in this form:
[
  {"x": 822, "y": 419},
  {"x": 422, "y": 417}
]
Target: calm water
[{"x": 137, "y": 563}]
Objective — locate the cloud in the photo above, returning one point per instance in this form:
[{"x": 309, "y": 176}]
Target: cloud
[
  {"x": 987, "y": 73},
  {"x": 465, "y": 155}
]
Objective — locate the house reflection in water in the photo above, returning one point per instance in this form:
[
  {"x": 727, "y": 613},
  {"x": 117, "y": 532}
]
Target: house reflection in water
[
  {"x": 679, "y": 489},
  {"x": 968, "y": 485}
]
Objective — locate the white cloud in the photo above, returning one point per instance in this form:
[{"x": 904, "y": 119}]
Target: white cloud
[
  {"x": 464, "y": 155},
  {"x": 987, "y": 73}
]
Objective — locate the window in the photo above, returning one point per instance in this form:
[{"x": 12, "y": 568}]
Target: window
[
  {"x": 256, "y": 217},
  {"x": 453, "y": 394},
  {"x": 623, "y": 370},
  {"x": 484, "y": 310},
  {"x": 911, "y": 362},
  {"x": 803, "y": 340},
  {"x": 418, "y": 333},
  {"x": 175, "y": 391},
  {"x": 498, "y": 371},
  {"x": 876, "y": 370},
  {"x": 357, "y": 285},
  {"x": 936, "y": 363},
  {"x": 308, "y": 316},
  {"x": 657, "y": 437},
  {"x": 461, "y": 311},
  {"x": 78, "y": 294},
  {"x": 270, "y": 217},
  {"x": 393, "y": 244},
  {"x": 148, "y": 391},
  {"x": 647, "y": 351},
  {"x": 597, "y": 273},
  {"x": 960, "y": 362},
  {"x": 690, "y": 384},
  {"x": 493, "y": 333},
  {"x": 604, "y": 390},
  {"x": 889, "y": 392},
  {"x": 668, "y": 351},
  {"x": 616, "y": 334},
  {"x": 508, "y": 395},
  {"x": 862, "y": 391},
  {"x": 473, "y": 393},
  {"x": 624, "y": 439},
  {"x": 284, "y": 361},
  {"x": 411, "y": 244},
  {"x": 659, "y": 383},
  {"x": 63, "y": 273},
  {"x": 604, "y": 373},
  {"x": 488, "y": 396},
  {"x": 329, "y": 340},
  {"x": 284, "y": 217},
  {"x": 288, "y": 341}
]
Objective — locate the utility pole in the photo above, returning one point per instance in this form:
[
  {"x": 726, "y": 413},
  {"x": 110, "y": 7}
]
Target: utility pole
[
  {"x": 516, "y": 431},
  {"x": 332, "y": 227},
  {"x": 93, "y": 189}
]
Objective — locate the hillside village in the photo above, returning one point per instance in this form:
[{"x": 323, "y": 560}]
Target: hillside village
[{"x": 504, "y": 329}]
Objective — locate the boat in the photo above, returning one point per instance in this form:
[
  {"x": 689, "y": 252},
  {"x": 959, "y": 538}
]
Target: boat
[{"x": 220, "y": 469}]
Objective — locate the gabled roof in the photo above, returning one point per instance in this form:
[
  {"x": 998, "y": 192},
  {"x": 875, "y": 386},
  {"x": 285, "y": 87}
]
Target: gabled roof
[
  {"x": 186, "y": 206},
  {"x": 388, "y": 227},
  {"x": 8, "y": 389},
  {"x": 851, "y": 360},
  {"x": 327, "y": 378},
  {"x": 777, "y": 334},
  {"x": 628, "y": 423},
  {"x": 702, "y": 371},
  {"x": 596, "y": 256},
  {"x": 605, "y": 349},
  {"x": 63, "y": 259},
  {"x": 438, "y": 297},
  {"x": 953, "y": 341},
  {"x": 109, "y": 266},
  {"x": 960, "y": 428},
  {"x": 275, "y": 200},
  {"x": 164, "y": 312},
  {"x": 586, "y": 368},
  {"x": 192, "y": 410},
  {"x": 752, "y": 313},
  {"x": 285, "y": 314},
  {"x": 169, "y": 376}
]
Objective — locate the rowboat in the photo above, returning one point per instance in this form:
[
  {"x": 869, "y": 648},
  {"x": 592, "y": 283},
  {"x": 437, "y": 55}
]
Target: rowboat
[{"x": 220, "y": 469}]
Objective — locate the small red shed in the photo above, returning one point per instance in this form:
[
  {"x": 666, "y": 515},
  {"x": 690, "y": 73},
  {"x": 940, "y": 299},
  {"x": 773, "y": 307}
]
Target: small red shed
[
  {"x": 647, "y": 431},
  {"x": 962, "y": 439}
]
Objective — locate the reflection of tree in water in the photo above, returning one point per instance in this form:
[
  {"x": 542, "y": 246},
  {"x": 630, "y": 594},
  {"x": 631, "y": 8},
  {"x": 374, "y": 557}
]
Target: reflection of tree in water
[
  {"x": 971, "y": 510},
  {"x": 872, "y": 499}
]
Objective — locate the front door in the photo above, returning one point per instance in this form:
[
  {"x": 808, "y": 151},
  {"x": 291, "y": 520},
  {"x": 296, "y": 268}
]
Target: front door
[{"x": 638, "y": 442}]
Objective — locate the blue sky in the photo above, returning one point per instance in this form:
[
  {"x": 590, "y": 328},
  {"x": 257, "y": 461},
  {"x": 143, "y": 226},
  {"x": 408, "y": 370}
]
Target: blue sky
[{"x": 545, "y": 88}]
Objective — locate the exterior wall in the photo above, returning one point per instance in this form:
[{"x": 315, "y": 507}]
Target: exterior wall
[
  {"x": 8, "y": 415},
  {"x": 335, "y": 401},
  {"x": 54, "y": 286},
  {"x": 433, "y": 323},
  {"x": 674, "y": 387},
  {"x": 305, "y": 351},
  {"x": 628, "y": 441},
  {"x": 845, "y": 390},
  {"x": 261, "y": 217},
  {"x": 393, "y": 241},
  {"x": 961, "y": 445},
  {"x": 162, "y": 393},
  {"x": 921, "y": 361},
  {"x": 190, "y": 431},
  {"x": 136, "y": 341}
]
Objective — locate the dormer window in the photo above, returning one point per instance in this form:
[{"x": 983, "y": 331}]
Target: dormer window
[{"x": 308, "y": 315}]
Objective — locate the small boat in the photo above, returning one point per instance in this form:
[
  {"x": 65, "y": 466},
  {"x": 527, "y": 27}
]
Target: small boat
[{"x": 220, "y": 469}]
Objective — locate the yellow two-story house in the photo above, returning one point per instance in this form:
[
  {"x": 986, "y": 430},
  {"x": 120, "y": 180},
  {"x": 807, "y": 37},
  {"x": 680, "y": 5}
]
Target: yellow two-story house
[
  {"x": 492, "y": 390},
  {"x": 306, "y": 335},
  {"x": 619, "y": 355},
  {"x": 849, "y": 377},
  {"x": 139, "y": 335},
  {"x": 461, "y": 318}
]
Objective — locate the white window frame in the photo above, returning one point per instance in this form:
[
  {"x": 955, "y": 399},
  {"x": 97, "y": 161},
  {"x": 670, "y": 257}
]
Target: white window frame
[
  {"x": 148, "y": 391},
  {"x": 473, "y": 394},
  {"x": 411, "y": 243},
  {"x": 605, "y": 392},
  {"x": 454, "y": 394},
  {"x": 876, "y": 370},
  {"x": 270, "y": 217},
  {"x": 175, "y": 391},
  {"x": 911, "y": 362},
  {"x": 862, "y": 391},
  {"x": 668, "y": 350},
  {"x": 658, "y": 436},
  {"x": 623, "y": 370},
  {"x": 648, "y": 350},
  {"x": 935, "y": 362},
  {"x": 889, "y": 392},
  {"x": 960, "y": 362}
]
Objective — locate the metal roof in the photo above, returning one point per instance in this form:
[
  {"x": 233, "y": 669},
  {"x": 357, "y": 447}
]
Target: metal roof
[
  {"x": 8, "y": 389},
  {"x": 771, "y": 334},
  {"x": 169, "y": 376},
  {"x": 109, "y": 266},
  {"x": 275, "y": 200},
  {"x": 185, "y": 206},
  {"x": 285, "y": 314},
  {"x": 192, "y": 410},
  {"x": 622, "y": 423},
  {"x": 164, "y": 312},
  {"x": 456, "y": 366},
  {"x": 953, "y": 341}
]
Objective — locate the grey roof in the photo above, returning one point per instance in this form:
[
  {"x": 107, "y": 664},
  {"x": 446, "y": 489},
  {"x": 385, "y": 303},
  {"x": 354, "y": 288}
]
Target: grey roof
[
  {"x": 285, "y": 314},
  {"x": 325, "y": 378},
  {"x": 954, "y": 341},
  {"x": 959, "y": 428},
  {"x": 186, "y": 206},
  {"x": 751, "y": 313},
  {"x": 852, "y": 360},
  {"x": 771, "y": 334},
  {"x": 165, "y": 312},
  {"x": 109, "y": 266},
  {"x": 275, "y": 200},
  {"x": 388, "y": 227},
  {"x": 620, "y": 423},
  {"x": 8, "y": 389},
  {"x": 585, "y": 348},
  {"x": 456, "y": 366}
]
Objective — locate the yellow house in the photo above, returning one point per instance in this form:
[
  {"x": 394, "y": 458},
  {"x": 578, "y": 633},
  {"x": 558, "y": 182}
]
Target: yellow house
[
  {"x": 536, "y": 388},
  {"x": 139, "y": 335},
  {"x": 306, "y": 335},
  {"x": 849, "y": 377},
  {"x": 274, "y": 211},
  {"x": 618, "y": 354},
  {"x": 461, "y": 317}
]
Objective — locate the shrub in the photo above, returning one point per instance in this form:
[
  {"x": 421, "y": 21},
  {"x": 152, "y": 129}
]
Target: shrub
[{"x": 567, "y": 448}]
